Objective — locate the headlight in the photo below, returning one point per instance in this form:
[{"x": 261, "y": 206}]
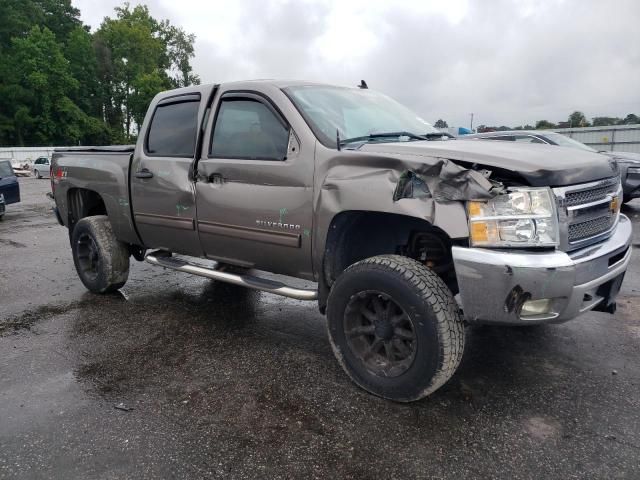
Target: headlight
[{"x": 524, "y": 217}]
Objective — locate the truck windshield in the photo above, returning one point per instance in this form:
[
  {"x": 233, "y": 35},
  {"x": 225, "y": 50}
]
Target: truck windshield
[
  {"x": 564, "y": 141},
  {"x": 355, "y": 113}
]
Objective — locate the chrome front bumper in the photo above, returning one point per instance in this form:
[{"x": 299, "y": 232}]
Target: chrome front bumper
[{"x": 494, "y": 284}]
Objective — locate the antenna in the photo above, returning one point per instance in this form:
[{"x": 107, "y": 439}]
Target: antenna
[
  {"x": 363, "y": 85},
  {"x": 338, "y": 139}
]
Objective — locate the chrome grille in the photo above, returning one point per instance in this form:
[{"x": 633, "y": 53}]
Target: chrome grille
[
  {"x": 582, "y": 230},
  {"x": 586, "y": 196},
  {"x": 584, "y": 212}
]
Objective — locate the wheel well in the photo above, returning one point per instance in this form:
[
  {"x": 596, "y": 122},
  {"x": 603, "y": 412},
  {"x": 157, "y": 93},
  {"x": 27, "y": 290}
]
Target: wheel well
[
  {"x": 84, "y": 203},
  {"x": 356, "y": 235}
]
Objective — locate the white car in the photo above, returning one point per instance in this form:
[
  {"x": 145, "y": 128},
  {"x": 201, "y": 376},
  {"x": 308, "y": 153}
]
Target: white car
[{"x": 41, "y": 167}]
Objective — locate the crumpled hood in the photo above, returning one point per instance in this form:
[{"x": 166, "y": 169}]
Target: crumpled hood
[{"x": 539, "y": 165}]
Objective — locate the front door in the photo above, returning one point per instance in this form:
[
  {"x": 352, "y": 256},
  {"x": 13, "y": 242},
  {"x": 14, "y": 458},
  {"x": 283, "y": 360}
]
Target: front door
[
  {"x": 162, "y": 193},
  {"x": 254, "y": 188}
]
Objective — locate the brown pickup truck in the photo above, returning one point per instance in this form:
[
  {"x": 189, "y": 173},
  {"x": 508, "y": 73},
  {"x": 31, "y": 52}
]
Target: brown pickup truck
[{"x": 406, "y": 234}]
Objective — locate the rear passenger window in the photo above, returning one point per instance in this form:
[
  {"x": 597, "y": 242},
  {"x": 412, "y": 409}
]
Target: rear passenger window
[
  {"x": 173, "y": 130},
  {"x": 248, "y": 129}
]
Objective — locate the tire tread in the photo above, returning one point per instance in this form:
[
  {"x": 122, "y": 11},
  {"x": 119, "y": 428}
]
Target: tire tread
[{"x": 436, "y": 296}]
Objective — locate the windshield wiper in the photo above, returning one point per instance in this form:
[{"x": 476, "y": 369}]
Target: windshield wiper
[{"x": 376, "y": 136}]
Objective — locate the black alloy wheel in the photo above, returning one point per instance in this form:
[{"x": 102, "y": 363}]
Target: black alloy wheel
[{"x": 380, "y": 334}]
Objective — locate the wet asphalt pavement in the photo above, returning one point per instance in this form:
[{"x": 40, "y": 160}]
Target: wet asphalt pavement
[{"x": 216, "y": 381}]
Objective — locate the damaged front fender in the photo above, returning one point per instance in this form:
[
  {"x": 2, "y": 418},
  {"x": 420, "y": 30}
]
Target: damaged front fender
[
  {"x": 446, "y": 181},
  {"x": 431, "y": 189}
]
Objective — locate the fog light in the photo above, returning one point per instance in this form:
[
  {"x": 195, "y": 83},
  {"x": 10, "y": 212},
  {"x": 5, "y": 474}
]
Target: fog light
[{"x": 536, "y": 307}]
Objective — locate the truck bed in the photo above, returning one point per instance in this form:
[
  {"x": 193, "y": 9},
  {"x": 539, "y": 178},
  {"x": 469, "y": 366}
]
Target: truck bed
[{"x": 103, "y": 170}]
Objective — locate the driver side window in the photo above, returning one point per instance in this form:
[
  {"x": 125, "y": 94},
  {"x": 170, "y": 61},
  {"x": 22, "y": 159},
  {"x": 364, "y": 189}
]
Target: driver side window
[{"x": 248, "y": 129}]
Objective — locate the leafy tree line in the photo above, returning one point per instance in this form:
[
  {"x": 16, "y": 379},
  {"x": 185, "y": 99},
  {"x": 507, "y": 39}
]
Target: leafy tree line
[
  {"x": 60, "y": 84},
  {"x": 576, "y": 119}
]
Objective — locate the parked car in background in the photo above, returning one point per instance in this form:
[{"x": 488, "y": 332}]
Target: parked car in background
[
  {"x": 9, "y": 187},
  {"x": 20, "y": 169},
  {"x": 628, "y": 162},
  {"x": 41, "y": 167}
]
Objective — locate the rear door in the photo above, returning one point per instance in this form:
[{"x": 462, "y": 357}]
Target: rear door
[
  {"x": 162, "y": 189},
  {"x": 255, "y": 183}
]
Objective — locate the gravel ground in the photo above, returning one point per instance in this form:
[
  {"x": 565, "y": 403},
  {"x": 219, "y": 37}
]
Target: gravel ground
[{"x": 216, "y": 381}]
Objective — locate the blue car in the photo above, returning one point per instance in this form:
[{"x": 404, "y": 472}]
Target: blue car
[{"x": 9, "y": 187}]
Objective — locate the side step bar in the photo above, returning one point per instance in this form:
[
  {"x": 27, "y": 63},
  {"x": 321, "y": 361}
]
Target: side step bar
[{"x": 164, "y": 259}]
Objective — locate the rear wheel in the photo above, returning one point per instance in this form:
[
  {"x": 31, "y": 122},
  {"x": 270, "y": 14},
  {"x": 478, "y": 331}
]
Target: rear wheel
[
  {"x": 102, "y": 262},
  {"x": 395, "y": 327}
]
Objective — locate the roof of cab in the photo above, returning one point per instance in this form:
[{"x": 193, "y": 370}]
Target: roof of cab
[{"x": 245, "y": 83}]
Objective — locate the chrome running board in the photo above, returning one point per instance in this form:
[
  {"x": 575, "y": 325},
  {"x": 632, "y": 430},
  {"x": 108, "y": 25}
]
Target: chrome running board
[{"x": 164, "y": 259}]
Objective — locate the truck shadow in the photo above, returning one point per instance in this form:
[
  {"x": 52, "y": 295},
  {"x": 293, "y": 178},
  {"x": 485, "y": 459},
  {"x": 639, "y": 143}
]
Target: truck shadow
[
  {"x": 217, "y": 334},
  {"x": 258, "y": 374}
]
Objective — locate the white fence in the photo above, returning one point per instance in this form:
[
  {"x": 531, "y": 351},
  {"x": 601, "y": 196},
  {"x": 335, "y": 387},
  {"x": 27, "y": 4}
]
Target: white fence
[
  {"x": 22, "y": 155},
  {"x": 618, "y": 138}
]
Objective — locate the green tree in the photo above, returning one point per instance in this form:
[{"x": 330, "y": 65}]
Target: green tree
[
  {"x": 577, "y": 119},
  {"x": 19, "y": 16},
  {"x": 130, "y": 50},
  {"x": 542, "y": 124},
  {"x": 631, "y": 119},
  {"x": 605, "y": 121},
  {"x": 43, "y": 82},
  {"x": 440, "y": 124},
  {"x": 29, "y": 59},
  {"x": 83, "y": 65},
  {"x": 60, "y": 84},
  {"x": 180, "y": 51},
  {"x": 136, "y": 55}
]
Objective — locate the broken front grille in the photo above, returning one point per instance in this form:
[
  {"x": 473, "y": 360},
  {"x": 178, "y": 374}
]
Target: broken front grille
[
  {"x": 586, "y": 196},
  {"x": 585, "y": 212},
  {"x": 590, "y": 228}
]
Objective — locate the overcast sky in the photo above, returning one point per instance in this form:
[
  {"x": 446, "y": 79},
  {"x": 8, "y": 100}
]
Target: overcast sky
[{"x": 509, "y": 61}]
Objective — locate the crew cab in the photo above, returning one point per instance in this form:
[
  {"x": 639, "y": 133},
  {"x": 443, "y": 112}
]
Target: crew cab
[{"x": 406, "y": 237}]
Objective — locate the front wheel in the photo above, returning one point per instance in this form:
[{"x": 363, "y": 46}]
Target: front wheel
[
  {"x": 102, "y": 262},
  {"x": 395, "y": 327},
  {"x": 36, "y": 174}
]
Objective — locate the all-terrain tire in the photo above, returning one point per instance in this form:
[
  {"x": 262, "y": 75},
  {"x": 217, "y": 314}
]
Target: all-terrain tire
[
  {"x": 102, "y": 262},
  {"x": 420, "y": 295}
]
